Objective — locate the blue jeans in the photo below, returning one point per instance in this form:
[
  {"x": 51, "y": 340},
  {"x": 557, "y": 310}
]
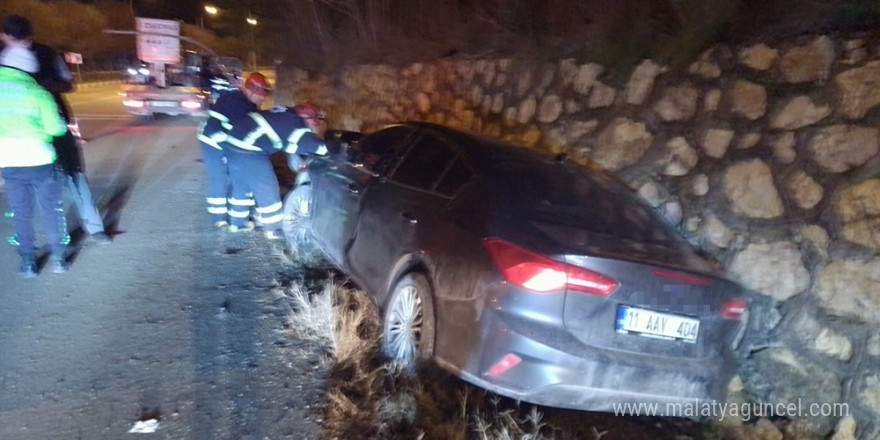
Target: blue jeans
[
  {"x": 81, "y": 196},
  {"x": 71, "y": 163},
  {"x": 24, "y": 186}
]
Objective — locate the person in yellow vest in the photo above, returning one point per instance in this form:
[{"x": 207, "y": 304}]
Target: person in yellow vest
[{"x": 29, "y": 119}]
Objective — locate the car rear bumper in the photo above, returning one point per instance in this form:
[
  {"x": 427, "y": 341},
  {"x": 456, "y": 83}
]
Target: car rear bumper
[
  {"x": 168, "y": 106},
  {"x": 167, "y": 111},
  {"x": 606, "y": 380}
]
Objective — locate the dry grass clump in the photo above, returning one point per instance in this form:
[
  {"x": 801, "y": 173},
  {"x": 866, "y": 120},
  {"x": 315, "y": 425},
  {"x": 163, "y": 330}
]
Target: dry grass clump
[
  {"x": 334, "y": 316},
  {"x": 355, "y": 327},
  {"x": 312, "y": 315}
]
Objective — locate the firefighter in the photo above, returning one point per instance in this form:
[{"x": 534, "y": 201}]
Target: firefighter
[
  {"x": 229, "y": 107},
  {"x": 250, "y": 143}
]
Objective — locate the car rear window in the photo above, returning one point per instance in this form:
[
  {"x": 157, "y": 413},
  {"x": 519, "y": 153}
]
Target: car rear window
[{"x": 571, "y": 195}]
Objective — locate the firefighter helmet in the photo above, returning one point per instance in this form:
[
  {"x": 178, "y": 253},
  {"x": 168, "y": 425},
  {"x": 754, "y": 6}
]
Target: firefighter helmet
[
  {"x": 258, "y": 84},
  {"x": 310, "y": 113}
]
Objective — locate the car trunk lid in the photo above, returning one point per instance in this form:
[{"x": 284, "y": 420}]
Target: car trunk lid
[{"x": 654, "y": 310}]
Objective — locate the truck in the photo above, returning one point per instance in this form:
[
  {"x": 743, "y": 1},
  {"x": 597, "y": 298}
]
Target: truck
[
  {"x": 187, "y": 88},
  {"x": 172, "y": 81}
]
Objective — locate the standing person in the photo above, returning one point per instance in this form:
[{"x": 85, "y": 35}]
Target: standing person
[
  {"x": 53, "y": 74},
  {"x": 251, "y": 141},
  {"x": 229, "y": 107},
  {"x": 29, "y": 119}
]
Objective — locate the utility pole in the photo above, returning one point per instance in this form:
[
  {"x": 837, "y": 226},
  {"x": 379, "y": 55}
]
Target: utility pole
[{"x": 253, "y": 22}]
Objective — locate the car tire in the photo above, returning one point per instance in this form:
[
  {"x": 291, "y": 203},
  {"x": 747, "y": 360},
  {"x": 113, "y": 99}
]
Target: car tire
[
  {"x": 408, "y": 324},
  {"x": 295, "y": 225}
]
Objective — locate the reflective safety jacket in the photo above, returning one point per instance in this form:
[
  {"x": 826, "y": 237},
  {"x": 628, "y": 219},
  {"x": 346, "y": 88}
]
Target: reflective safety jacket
[
  {"x": 229, "y": 107},
  {"x": 29, "y": 119},
  {"x": 270, "y": 131}
]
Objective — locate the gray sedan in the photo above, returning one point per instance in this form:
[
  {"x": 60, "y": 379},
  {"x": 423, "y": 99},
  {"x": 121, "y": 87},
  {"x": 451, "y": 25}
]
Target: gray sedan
[{"x": 523, "y": 273}]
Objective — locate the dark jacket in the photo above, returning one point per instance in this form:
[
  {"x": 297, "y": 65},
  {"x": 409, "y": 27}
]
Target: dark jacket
[
  {"x": 269, "y": 131},
  {"x": 54, "y": 76},
  {"x": 229, "y": 107}
]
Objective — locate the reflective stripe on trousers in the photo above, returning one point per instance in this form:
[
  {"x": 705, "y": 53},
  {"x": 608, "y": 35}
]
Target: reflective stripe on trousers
[{"x": 253, "y": 173}]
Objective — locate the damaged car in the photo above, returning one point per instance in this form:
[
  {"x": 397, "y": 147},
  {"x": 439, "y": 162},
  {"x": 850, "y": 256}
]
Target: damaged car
[{"x": 521, "y": 272}]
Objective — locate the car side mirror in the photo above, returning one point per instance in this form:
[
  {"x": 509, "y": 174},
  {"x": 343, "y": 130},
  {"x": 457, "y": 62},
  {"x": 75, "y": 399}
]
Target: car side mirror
[
  {"x": 339, "y": 141},
  {"x": 336, "y": 147}
]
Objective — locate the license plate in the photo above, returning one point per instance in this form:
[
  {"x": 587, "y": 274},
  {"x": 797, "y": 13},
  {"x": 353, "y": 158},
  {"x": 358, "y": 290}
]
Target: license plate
[
  {"x": 655, "y": 324},
  {"x": 164, "y": 104}
]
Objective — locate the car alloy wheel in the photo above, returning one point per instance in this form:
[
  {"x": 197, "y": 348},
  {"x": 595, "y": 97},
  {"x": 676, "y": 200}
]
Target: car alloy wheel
[
  {"x": 295, "y": 226},
  {"x": 408, "y": 327}
]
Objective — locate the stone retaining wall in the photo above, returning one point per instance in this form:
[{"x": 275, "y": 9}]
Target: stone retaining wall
[{"x": 766, "y": 156}]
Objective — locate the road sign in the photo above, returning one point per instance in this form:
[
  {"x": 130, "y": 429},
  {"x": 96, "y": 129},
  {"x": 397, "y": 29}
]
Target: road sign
[
  {"x": 153, "y": 45},
  {"x": 73, "y": 58}
]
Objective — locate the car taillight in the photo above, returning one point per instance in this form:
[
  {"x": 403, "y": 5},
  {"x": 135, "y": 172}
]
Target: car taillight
[
  {"x": 734, "y": 309},
  {"x": 541, "y": 274}
]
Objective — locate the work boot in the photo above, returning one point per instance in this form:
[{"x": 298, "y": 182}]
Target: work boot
[
  {"x": 249, "y": 226},
  {"x": 100, "y": 237},
  {"x": 273, "y": 235},
  {"x": 220, "y": 224},
  {"x": 57, "y": 264},
  {"x": 28, "y": 268}
]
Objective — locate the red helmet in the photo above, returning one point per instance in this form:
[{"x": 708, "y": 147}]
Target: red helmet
[
  {"x": 310, "y": 112},
  {"x": 258, "y": 84}
]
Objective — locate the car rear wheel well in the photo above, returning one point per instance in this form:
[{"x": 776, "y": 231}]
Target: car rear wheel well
[{"x": 403, "y": 268}]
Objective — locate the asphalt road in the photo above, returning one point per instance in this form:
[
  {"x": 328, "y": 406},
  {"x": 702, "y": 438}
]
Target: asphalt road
[{"x": 171, "y": 321}]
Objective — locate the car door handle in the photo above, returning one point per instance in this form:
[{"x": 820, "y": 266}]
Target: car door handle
[
  {"x": 406, "y": 215},
  {"x": 352, "y": 188}
]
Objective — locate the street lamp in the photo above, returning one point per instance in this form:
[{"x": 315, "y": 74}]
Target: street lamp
[
  {"x": 251, "y": 20},
  {"x": 211, "y": 10}
]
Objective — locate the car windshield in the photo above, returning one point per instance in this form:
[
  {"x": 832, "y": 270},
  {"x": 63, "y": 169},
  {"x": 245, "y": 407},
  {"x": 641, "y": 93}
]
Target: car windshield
[{"x": 569, "y": 195}]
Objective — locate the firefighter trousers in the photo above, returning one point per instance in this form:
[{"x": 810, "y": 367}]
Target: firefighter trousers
[
  {"x": 216, "y": 182},
  {"x": 252, "y": 173}
]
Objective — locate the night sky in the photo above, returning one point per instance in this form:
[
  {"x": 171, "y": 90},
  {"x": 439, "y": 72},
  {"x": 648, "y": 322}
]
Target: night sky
[{"x": 186, "y": 10}]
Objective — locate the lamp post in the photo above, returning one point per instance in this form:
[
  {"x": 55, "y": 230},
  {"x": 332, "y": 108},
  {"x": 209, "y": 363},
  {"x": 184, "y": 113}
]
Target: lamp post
[
  {"x": 251, "y": 20},
  {"x": 210, "y": 10}
]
